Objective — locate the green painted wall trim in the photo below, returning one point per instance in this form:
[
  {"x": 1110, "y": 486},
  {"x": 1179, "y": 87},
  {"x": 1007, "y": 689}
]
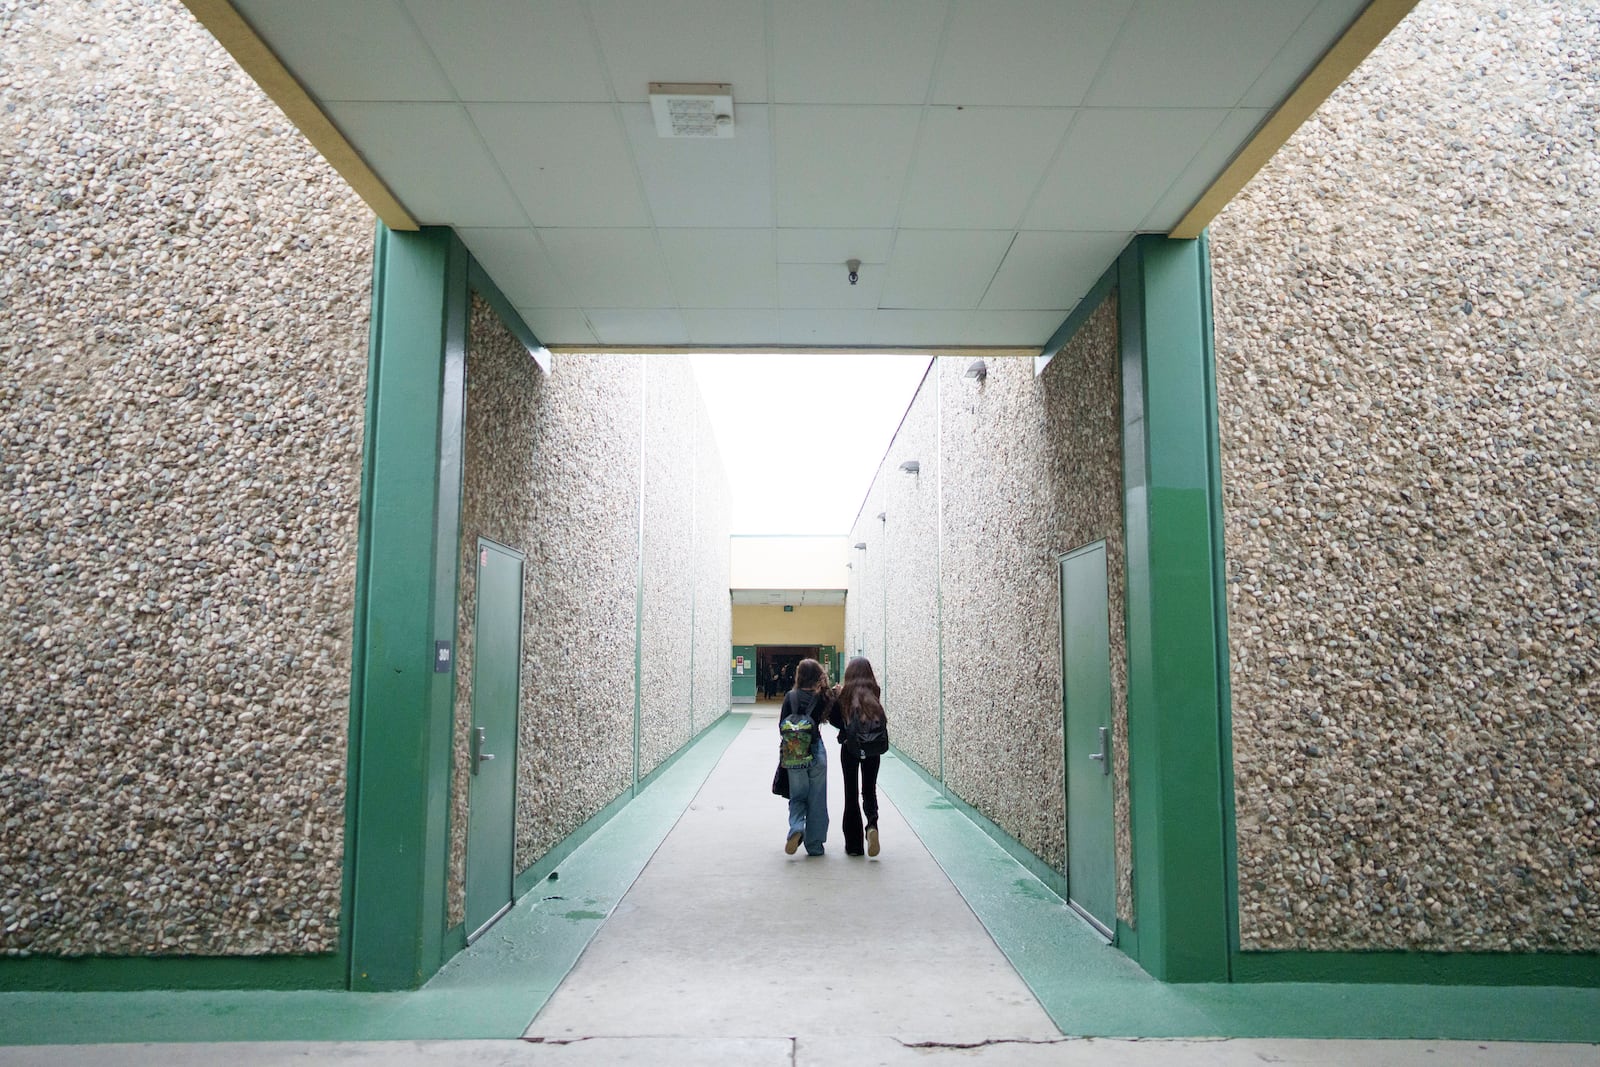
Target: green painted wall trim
[
  {"x": 540, "y": 869},
  {"x": 123, "y": 973},
  {"x": 1421, "y": 968},
  {"x": 401, "y": 733},
  {"x": 1075, "y": 319},
  {"x": 1177, "y": 779},
  {"x": 479, "y": 280},
  {"x": 1053, "y": 879}
]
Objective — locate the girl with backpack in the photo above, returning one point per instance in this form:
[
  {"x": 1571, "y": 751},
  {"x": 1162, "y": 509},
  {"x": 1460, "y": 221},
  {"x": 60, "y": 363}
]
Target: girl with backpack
[
  {"x": 800, "y": 749},
  {"x": 863, "y": 739}
]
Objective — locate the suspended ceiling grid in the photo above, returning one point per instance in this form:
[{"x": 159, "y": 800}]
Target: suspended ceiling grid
[{"x": 985, "y": 160}]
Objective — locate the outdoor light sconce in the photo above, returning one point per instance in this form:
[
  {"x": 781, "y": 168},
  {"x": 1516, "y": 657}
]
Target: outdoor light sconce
[
  {"x": 862, "y": 545},
  {"x": 978, "y": 370},
  {"x": 911, "y": 466},
  {"x": 853, "y": 267},
  {"x": 883, "y": 516}
]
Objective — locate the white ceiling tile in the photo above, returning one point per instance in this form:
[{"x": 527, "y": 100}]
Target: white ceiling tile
[
  {"x": 827, "y": 285},
  {"x": 513, "y": 50},
  {"x": 705, "y": 181},
  {"x": 834, "y": 246},
  {"x": 638, "y": 326},
  {"x": 519, "y": 266},
  {"x": 854, "y": 51},
  {"x": 943, "y": 268},
  {"x": 355, "y": 50},
  {"x": 609, "y": 268},
  {"x": 740, "y": 326},
  {"x": 842, "y": 167},
  {"x": 721, "y": 268},
  {"x": 813, "y": 327},
  {"x": 558, "y": 326},
  {"x": 568, "y": 163},
  {"x": 683, "y": 41},
  {"x": 1051, "y": 270},
  {"x": 929, "y": 327},
  {"x": 405, "y": 141},
  {"x": 1188, "y": 53},
  {"x": 978, "y": 167},
  {"x": 1115, "y": 166},
  {"x": 1323, "y": 26},
  {"x": 1041, "y": 53},
  {"x": 1030, "y": 328},
  {"x": 1213, "y": 157}
]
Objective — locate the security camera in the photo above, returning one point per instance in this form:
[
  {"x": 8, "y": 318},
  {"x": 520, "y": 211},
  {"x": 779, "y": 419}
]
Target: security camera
[{"x": 854, "y": 267}]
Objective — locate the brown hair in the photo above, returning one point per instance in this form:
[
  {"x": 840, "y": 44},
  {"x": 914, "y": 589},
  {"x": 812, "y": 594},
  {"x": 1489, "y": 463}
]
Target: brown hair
[
  {"x": 860, "y": 696},
  {"x": 809, "y": 674}
]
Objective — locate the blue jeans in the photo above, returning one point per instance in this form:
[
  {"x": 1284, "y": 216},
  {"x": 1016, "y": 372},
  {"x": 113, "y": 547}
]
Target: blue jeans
[{"x": 808, "y": 800}]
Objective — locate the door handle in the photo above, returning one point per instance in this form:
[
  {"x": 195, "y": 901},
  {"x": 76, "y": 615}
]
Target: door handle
[
  {"x": 1105, "y": 738},
  {"x": 479, "y": 756}
]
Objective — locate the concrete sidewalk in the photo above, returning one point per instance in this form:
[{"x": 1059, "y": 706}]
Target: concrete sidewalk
[{"x": 724, "y": 935}]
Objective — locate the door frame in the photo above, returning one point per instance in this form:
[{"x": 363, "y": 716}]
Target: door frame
[{"x": 1104, "y": 928}]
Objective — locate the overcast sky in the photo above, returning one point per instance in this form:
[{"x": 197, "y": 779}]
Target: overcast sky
[{"x": 811, "y": 427}]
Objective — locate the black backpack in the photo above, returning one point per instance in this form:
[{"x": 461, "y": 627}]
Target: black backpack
[{"x": 863, "y": 739}]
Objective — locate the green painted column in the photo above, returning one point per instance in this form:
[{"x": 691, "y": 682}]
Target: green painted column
[
  {"x": 1177, "y": 720},
  {"x": 405, "y": 602}
]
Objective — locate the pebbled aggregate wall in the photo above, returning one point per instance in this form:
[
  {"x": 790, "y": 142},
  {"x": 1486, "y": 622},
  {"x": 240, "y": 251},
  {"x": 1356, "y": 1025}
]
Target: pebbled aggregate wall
[
  {"x": 184, "y": 290},
  {"x": 553, "y": 468},
  {"x": 1408, "y": 359},
  {"x": 1015, "y": 470},
  {"x": 669, "y": 572}
]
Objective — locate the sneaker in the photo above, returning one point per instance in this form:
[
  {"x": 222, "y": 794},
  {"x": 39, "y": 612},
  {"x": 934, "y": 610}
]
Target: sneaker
[
  {"x": 872, "y": 840},
  {"x": 793, "y": 843}
]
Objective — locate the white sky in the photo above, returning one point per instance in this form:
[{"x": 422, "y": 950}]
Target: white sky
[{"x": 802, "y": 436}]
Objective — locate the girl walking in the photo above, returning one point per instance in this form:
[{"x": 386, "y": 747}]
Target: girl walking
[
  {"x": 800, "y": 749},
  {"x": 863, "y": 739}
]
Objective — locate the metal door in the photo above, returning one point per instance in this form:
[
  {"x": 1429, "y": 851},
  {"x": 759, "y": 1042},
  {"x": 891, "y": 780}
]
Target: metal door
[
  {"x": 492, "y": 794},
  {"x": 743, "y": 679},
  {"x": 1086, "y": 698}
]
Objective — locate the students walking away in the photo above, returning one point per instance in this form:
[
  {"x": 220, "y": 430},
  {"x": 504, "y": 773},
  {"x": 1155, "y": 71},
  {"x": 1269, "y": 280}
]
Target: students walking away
[
  {"x": 800, "y": 750},
  {"x": 863, "y": 739}
]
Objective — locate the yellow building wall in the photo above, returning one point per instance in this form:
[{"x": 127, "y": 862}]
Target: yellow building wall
[{"x": 763, "y": 624}]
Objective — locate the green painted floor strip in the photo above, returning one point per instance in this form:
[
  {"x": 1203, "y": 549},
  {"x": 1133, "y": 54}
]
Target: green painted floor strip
[
  {"x": 493, "y": 989},
  {"x": 1092, "y": 990}
]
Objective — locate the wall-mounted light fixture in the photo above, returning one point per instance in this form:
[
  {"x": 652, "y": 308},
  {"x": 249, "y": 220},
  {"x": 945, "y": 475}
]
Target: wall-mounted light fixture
[
  {"x": 853, "y": 270},
  {"x": 862, "y": 545},
  {"x": 883, "y": 516},
  {"x": 978, "y": 369},
  {"x": 911, "y": 466}
]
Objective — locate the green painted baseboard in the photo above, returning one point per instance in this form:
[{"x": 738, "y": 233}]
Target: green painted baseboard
[
  {"x": 1577, "y": 970},
  {"x": 121, "y": 973},
  {"x": 540, "y": 869},
  {"x": 1052, "y": 878}
]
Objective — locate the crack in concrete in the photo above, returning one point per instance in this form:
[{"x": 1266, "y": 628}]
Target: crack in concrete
[{"x": 986, "y": 1043}]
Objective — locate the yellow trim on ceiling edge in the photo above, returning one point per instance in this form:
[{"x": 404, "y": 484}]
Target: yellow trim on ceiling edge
[
  {"x": 1357, "y": 42},
  {"x": 268, "y": 71}
]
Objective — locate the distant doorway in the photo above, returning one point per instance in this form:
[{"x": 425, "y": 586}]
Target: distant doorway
[{"x": 775, "y": 666}]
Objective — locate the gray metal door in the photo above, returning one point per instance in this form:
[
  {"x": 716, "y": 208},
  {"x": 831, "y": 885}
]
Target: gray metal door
[
  {"x": 1086, "y": 695},
  {"x": 492, "y": 794}
]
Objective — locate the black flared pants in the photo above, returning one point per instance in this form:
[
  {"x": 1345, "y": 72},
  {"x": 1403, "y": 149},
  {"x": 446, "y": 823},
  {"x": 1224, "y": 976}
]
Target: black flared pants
[{"x": 860, "y": 793}]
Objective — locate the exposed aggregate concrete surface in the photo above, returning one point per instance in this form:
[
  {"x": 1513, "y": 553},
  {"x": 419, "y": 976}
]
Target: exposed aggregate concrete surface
[
  {"x": 1015, "y": 470},
  {"x": 1406, "y": 320},
  {"x": 184, "y": 290},
  {"x": 504, "y": 388},
  {"x": 713, "y": 609}
]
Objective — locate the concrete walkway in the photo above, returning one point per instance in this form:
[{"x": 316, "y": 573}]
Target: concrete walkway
[{"x": 724, "y": 935}]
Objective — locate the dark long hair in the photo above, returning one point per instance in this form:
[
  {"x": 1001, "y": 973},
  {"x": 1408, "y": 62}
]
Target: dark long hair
[
  {"x": 808, "y": 674},
  {"x": 860, "y": 696}
]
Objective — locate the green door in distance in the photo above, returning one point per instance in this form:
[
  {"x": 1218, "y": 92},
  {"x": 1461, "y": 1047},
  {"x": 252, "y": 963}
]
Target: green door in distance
[
  {"x": 743, "y": 677},
  {"x": 492, "y": 740},
  {"x": 1086, "y": 696}
]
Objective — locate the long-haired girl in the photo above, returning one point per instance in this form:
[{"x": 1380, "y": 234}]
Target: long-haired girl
[{"x": 863, "y": 738}]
